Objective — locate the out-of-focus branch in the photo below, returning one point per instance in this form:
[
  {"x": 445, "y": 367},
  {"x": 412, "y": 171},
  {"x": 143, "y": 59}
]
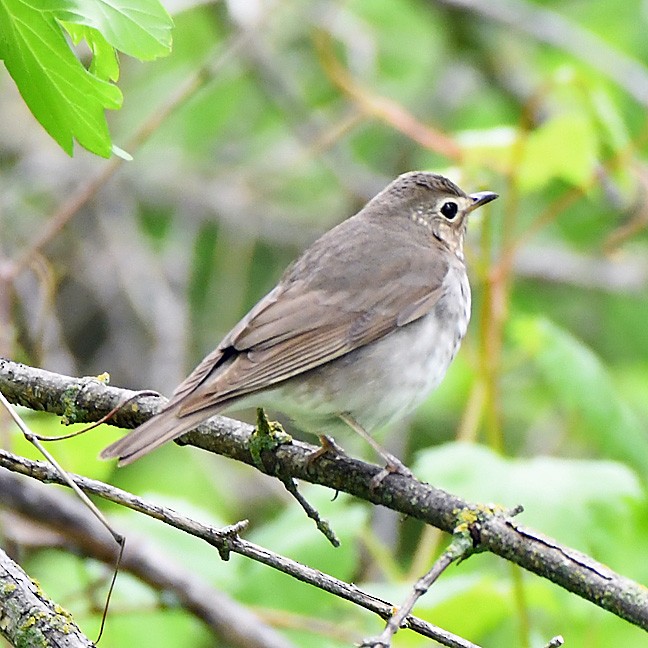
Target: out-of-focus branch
[
  {"x": 559, "y": 265},
  {"x": 548, "y": 26},
  {"x": 67, "y": 517},
  {"x": 638, "y": 221},
  {"x": 572, "y": 570},
  {"x": 383, "y": 108},
  {"x": 73, "y": 204},
  {"x": 317, "y": 137}
]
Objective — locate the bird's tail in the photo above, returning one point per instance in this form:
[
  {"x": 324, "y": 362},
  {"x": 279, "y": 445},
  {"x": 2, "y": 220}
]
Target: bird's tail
[{"x": 159, "y": 429}]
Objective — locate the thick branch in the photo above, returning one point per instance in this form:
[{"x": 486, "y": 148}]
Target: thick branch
[
  {"x": 28, "y": 617},
  {"x": 86, "y": 399}
]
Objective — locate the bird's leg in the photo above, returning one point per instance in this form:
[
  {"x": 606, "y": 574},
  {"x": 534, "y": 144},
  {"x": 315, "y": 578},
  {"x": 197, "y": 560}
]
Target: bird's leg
[
  {"x": 327, "y": 446},
  {"x": 393, "y": 465}
]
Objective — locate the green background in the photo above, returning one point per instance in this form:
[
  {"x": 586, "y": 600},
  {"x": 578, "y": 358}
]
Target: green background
[{"x": 289, "y": 117}]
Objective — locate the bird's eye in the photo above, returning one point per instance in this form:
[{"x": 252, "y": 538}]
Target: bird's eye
[{"x": 449, "y": 210}]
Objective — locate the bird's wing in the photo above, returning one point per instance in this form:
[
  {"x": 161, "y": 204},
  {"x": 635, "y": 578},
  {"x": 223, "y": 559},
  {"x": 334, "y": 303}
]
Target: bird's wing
[
  {"x": 304, "y": 323},
  {"x": 320, "y": 310}
]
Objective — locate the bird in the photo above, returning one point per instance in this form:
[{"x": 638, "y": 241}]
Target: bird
[{"x": 356, "y": 333}]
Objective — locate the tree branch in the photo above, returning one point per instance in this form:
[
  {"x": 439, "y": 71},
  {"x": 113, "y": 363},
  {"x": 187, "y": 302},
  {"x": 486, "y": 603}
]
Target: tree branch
[
  {"x": 68, "y": 517},
  {"x": 87, "y": 400},
  {"x": 548, "y": 26},
  {"x": 28, "y": 617},
  {"x": 226, "y": 541}
]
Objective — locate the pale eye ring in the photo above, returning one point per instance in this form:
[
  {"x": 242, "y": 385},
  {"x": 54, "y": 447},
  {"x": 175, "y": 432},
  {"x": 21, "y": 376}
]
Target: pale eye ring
[{"x": 449, "y": 209}]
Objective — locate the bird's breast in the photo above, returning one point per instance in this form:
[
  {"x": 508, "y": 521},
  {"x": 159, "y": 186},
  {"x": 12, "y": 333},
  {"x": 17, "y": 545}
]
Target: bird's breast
[{"x": 385, "y": 380}]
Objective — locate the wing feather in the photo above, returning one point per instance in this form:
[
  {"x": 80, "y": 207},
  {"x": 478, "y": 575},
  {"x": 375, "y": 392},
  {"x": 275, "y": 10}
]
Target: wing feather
[{"x": 312, "y": 318}]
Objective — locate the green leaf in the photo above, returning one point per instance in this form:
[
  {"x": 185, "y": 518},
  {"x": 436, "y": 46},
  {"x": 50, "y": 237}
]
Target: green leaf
[
  {"x": 64, "y": 97},
  {"x": 139, "y": 28},
  {"x": 104, "y": 58},
  {"x": 562, "y": 148},
  {"x": 567, "y": 498},
  {"x": 580, "y": 384},
  {"x": 68, "y": 100}
]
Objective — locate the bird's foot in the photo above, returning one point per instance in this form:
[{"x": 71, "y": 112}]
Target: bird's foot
[
  {"x": 328, "y": 446},
  {"x": 394, "y": 466}
]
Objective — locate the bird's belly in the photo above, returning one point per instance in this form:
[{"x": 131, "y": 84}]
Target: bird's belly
[{"x": 381, "y": 382}]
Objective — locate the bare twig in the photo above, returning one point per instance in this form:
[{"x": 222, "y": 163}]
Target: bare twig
[
  {"x": 229, "y": 620},
  {"x": 120, "y": 540},
  {"x": 71, "y": 207},
  {"x": 34, "y": 439},
  {"x": 267, "y": 436},
  {"x": 382, "y": 108},
  {"x": 460, "y": 547}
]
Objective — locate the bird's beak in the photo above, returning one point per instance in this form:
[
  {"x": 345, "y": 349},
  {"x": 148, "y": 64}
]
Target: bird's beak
[{"x": 481, "y": 198}]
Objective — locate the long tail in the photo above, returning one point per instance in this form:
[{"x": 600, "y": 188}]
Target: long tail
[{"x": 159, "y": 429}]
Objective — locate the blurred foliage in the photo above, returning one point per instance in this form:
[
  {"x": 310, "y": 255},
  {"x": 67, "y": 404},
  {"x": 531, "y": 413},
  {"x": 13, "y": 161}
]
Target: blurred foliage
[{"x": 267, "y": 124}]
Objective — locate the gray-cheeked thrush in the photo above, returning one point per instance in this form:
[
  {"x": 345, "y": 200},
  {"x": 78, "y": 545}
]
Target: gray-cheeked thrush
[{"x": 358, "y": 330}]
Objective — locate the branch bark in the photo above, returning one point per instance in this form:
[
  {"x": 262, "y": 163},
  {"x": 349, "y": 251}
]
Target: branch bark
[
  {"x": 88, "y": 400},
  {"x": 28, "y": 617}
]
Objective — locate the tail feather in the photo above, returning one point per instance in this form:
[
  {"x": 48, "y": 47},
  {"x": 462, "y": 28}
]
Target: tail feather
[{"x": 159, "y": 429}]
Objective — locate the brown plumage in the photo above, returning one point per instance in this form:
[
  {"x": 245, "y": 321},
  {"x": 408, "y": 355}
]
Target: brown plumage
[{"x": 396, "y": 267}]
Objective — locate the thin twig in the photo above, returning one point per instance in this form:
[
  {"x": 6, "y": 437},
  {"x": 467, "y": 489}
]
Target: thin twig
[
  {"x": 34, "y": 439},
  {"x": 64, "y": 475},
  {"x": 322, "y": 525},
  {"x": 226, "y": 541},
  {"x": 71, "y": 207},
  {"x": 104, "y": 419},
  {"x": 382, "y": 108},
  {"x": 267, "y": 436},
  {"x": 460, "y": 547},
  {"x": 72, "y": 528}
]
